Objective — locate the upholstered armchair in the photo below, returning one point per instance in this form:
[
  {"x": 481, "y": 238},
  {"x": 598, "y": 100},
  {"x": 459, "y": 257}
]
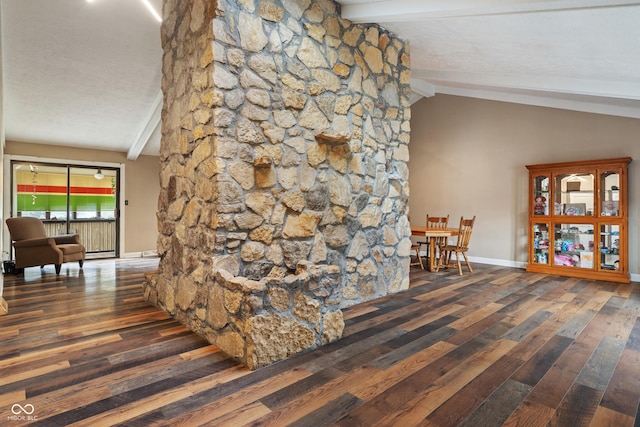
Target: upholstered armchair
[{"x": 33, "y": 247}]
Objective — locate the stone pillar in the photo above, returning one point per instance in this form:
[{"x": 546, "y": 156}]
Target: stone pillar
[{"x": 284, "y": 179}]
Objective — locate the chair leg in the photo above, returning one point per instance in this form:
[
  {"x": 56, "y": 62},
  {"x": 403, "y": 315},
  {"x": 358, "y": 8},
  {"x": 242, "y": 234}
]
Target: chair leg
[
  {"x": 58, "y": 266},
  {"x": 439, "y": 244},
  {"x": 447, "y": 259},
  {"x": 458, "y": 262},
  {"x": 467, "y": 261},
  {"x": 81, "y": 262},
  {"x": 418, "y": 258},
  {"x": 439, "y": 264}
]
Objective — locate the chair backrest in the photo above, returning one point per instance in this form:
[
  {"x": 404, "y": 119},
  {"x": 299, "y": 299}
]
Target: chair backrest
[
  {"x": 22, "y": 228},
  {"x": 464, "y": 232},
  {"x": 437, "y": 221}
]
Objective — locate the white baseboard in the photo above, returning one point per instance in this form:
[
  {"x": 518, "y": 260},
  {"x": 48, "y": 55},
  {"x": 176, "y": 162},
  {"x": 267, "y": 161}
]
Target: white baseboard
[
  {"x": 500, "y": 262},
  {"x": 491, "y": 261},
  {"x": 141, "y": 254},
  {"x": 517, "y": 264}
]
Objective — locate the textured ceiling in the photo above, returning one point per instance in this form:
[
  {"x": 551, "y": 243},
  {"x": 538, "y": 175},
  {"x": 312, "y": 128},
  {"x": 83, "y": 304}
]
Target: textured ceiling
[
  {"x": 582, "y": 55},
  {"x": 78, "y": 73},
  {"x": 88, "y": 74}
]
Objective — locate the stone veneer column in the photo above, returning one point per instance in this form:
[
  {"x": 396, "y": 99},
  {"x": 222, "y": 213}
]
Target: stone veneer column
[{"x": 284, "y": 172}]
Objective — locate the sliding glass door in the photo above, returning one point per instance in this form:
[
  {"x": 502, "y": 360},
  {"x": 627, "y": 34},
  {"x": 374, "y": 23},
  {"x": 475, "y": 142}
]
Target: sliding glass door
[{"x": 70, "y": 199}]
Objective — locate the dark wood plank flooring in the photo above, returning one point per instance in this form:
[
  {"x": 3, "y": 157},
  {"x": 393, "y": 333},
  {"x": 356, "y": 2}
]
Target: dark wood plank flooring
[{"x": 495, "y": 347}]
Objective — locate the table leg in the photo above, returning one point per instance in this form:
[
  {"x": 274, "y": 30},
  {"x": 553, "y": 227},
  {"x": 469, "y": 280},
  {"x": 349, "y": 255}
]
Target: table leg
[{"x": 432, "y": 254}]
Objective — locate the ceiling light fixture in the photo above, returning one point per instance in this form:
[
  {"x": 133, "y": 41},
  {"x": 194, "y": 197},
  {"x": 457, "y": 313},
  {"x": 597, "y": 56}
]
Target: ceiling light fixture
[
  {"x": 98, "y": 175},
  {"x": 149, "y": 6},
  {"x": 152, "y": 10}
]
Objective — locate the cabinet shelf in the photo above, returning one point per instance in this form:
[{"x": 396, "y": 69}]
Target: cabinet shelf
[{"x": 578, "y": 219}]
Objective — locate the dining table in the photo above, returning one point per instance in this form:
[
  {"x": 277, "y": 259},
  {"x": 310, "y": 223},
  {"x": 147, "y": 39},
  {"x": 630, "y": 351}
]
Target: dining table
[{"x": 432, "y": 234}]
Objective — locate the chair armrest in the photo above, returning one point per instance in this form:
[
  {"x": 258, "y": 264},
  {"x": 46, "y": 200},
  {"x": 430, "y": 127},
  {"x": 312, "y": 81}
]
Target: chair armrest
[
  {"x": 40, "y": 241},
  {"x": 66, "y": 239}
]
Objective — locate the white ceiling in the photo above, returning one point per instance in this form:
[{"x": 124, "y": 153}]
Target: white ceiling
[
  {"x": 88, "y": 74},
  {"x": 575, "y": 54},
  {"x": 82, "y": 74}
]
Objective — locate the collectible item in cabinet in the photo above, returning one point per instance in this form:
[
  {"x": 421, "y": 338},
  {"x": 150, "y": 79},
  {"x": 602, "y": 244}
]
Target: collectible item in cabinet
[{"x": 585, "y": 234}]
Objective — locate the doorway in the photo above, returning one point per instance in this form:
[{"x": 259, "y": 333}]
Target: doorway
[{"x": 70, "y": 199}]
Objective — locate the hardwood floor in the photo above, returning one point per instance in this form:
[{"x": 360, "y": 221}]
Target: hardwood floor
[{"x": 496, "y": 347}]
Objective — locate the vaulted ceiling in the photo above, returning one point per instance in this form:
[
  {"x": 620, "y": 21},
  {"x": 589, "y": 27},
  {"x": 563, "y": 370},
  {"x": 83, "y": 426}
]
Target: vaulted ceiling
[
  {"x": 82, "y": 74},
  {"x": 87, "y": 74},
  {"x": 575, "y": 54}
]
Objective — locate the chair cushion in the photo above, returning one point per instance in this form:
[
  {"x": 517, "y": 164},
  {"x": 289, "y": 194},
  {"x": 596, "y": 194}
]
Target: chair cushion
[
  {"x": 22, "y": 228},
  {"x": 70, "y": 249}
]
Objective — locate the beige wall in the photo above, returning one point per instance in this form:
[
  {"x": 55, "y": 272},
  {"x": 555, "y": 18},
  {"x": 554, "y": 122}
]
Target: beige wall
[
  {"x": 141, "y": 188},
  {"x": 468, "y": 157}
]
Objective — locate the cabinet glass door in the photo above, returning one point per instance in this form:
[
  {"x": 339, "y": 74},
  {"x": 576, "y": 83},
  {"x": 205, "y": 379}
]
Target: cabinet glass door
[
  {"x": 573, "y": 245},
  {"x": 609, "y": 247},
  {"x": 610, "y": 193},
  {"x": 540, "y": 243},
  {"x": 574, "y": 194},
  {"x": 541, "y": 195}
]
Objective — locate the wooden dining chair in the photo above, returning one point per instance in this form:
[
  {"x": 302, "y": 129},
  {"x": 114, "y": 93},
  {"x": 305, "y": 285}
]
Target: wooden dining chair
[
  {"x": 459, "y": 248},
  {"x": 415, "y": 247},
  {"x": 438, "y": 222}
]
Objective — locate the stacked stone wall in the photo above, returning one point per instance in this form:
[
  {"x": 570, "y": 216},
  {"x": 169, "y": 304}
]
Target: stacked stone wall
[{"x": 284, "y": 152}]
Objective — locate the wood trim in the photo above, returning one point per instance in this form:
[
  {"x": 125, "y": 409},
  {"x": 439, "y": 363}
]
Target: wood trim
[
  {"x": 618, "y": 277},
  {"x": 573, "y": 165}
]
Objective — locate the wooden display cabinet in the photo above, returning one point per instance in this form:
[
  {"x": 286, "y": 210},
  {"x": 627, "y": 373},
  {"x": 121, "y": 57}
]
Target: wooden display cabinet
[{"x": 578, "y": 219}]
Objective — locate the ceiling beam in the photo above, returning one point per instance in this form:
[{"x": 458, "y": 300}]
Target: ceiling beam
[
  {"x": 577, "y": 103},
  {"x": 423, "y": 88},
  {"x": 629, "y": 90},
  {"x": 150, "y": 125},
  {"x": 414, "y": 97},
  {"x": 414, "y": 10}
]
